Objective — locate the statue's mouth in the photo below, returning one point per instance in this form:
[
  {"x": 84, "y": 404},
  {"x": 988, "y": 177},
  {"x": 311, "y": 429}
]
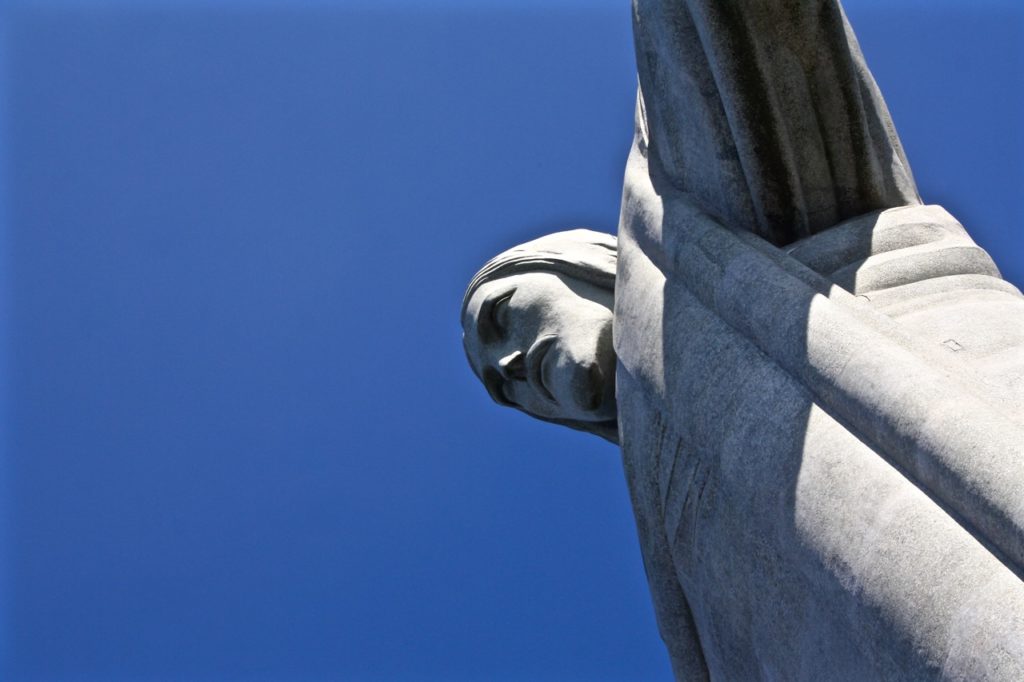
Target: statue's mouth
[{"x": 535, "y": 365}]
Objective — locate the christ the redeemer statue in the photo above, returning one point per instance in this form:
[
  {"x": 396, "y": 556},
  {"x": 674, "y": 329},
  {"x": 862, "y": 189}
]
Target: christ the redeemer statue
[{"x": 816, "y": 380}]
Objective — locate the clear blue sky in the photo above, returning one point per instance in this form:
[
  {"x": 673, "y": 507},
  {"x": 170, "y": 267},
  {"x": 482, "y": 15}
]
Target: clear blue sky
[{"x": 240, "y": 438}]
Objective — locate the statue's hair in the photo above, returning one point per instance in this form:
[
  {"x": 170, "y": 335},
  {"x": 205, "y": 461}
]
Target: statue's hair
[{"x": 582, "y": 254}]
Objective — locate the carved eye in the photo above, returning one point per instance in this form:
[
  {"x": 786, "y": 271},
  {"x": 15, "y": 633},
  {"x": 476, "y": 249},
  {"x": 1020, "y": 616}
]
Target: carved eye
[{"x": 499, "y": 314}]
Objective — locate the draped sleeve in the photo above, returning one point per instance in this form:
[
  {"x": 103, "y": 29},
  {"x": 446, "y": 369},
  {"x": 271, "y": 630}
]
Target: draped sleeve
[{"x": 764, "y": 113}]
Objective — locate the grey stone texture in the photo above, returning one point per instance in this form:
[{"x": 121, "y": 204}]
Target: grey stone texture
[
  {"x": 819, "y": 380},
  {"x": 823, "y": 441}
]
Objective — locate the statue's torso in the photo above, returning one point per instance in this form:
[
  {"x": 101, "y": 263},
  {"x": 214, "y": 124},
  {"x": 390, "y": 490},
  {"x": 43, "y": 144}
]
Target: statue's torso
[
  {"x": 799, "y": 551},
  {"x": 823, "y": 446}
]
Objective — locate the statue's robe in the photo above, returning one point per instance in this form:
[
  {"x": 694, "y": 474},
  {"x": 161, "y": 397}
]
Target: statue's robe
[{"x": 820, "y": 381}]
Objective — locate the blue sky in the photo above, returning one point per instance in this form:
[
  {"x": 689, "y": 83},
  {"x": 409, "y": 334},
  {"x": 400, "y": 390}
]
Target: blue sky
[{"x": 241, "y": 440}]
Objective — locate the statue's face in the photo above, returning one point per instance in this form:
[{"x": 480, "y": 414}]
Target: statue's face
[{"x": 543, "y": 342}]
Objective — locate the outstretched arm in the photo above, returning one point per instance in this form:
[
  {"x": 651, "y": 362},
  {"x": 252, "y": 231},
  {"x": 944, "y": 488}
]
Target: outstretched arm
[{"x": 765, "y": 114}]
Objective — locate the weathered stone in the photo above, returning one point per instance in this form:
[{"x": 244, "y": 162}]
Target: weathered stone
[{"x": 819, "y": 381}]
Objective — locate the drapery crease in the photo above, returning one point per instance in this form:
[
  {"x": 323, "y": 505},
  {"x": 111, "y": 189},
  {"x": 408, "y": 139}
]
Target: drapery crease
[{"x": 765, "y": 113}]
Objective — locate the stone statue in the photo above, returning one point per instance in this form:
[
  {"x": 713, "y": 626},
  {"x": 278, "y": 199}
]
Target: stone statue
[{"x": 817, "y": 381}]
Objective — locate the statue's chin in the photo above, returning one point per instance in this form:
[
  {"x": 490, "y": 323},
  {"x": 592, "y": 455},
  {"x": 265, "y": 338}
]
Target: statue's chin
[
  {"x": 594, "y": 391},
  {"x": 602, "y": 378},
  {"x": 591, "y": 391}
]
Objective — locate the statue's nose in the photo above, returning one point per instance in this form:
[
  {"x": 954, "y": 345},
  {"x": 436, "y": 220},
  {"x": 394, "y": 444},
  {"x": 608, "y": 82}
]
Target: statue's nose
[{"x": 513, "y": 366}]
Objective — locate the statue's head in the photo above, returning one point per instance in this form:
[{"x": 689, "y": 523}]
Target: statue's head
[{"x": 537, "y": 329}]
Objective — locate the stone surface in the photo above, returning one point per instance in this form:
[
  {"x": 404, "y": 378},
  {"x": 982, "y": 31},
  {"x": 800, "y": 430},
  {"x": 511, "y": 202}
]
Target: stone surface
[{"x": 819, "y": 381}]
